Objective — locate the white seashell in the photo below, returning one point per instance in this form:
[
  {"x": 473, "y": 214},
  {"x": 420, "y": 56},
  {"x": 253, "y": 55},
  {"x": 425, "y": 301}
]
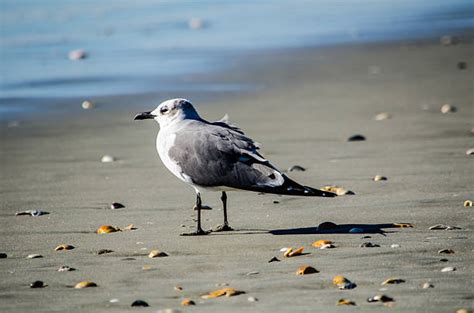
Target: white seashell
[
  {"x": 78, "y": 54},
  {"x": 115, "y": 300},
  {"x": 107, "y": 159},
  {"x": 427, "y": 286},
  {"x": 34, "y": 256},
  {"x": 382, "y": 116},
  {"x": 470, "y": 151},
  {"x": 395, "y": 245},
  {"x": 379, "y": 178},
  {"x": 86, "y": 105},
  {"x": 283, "y": 249},
  {"x": 448, "y": 269},
  {"x": 252, "y": 299},
  {"x": 447, "y": 108}
]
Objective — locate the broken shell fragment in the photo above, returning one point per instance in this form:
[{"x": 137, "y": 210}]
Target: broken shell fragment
[
  {"x": 448, "y": 269},
  {"x": 427, "y": 286},
  {"x": 187, "y": 302},
  {"x": 446, "y": 251},
  {"x": 34, "y": 256},
  {"x": 116, "y": 205},
  {"x": 323, "y": 244},
  {"x": 345, "y": 302},
  {"x": 290, "y": 252},
  {"x": 380, "y": 298},
  {"x": 379, "y": 178},
  {"x": 178, "y": 288},
  {"x": 468, "y": 203},
  {"x": 106, "y": 229},
  {"x": 228, "y": 292},
  {"x": 403, "y": 225},
  {"x": 37, "y": 284},
  {"x": 139, "y": 303},
  {"x": 305, "y": 270},
  {"x": 107, "y": 159},
  {"x": 130, "y": 227},
  {"x": 443, "y": 227},
  {"x": 298, "y": 168},
  {"x": 343, "y": 283},
  {"x": 337, "y": 190},
  {"x": 157, "y": 254},
  {"x": 382, "y": 116},
  {"x": 85, "y": 284},
  {"x": 66, "y": 268},
  {"x": 63, "y": 247},
  {"x": 448, "y": 108},
  {"x": 356, "y": 138},
  {"x": 393, "y": 281}
]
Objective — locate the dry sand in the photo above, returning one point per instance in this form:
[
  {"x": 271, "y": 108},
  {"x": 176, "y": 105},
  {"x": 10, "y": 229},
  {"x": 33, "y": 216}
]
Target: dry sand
[{"x": 313, "y": 100}]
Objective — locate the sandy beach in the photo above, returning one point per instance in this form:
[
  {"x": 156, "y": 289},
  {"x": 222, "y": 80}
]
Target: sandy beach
[{"x": 309, "y": 102}]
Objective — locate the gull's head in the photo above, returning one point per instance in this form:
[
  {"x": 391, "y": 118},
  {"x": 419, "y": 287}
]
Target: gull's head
[{"x": 170, "y": 111}]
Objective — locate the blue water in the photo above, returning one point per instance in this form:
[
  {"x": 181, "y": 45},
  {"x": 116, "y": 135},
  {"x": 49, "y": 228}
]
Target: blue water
[{"x": 146, "y": 46}]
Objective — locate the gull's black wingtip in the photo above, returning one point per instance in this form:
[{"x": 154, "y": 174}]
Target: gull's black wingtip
[{"x": 320, "y": 193}]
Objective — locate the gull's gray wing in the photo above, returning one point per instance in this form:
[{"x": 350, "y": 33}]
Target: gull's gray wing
[{"x": 214, "y": 156}]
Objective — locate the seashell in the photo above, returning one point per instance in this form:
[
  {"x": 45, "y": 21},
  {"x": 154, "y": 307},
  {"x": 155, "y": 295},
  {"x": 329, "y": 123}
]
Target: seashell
[
  {"x": 470, "y": 152},
  {"x": 427, "y": 286},
  {"x": 3, "y": 256},
  {"x": 345, "y": 302},
  {"x": 178, "y": 288},
  {"x": 382, "y": 116},
  {"x": 65, "y": 268},
  {"x": 107, "y": 159},
  {"x": 446, "y": 251},
  {"x": 228, "y": 292},
  {"x": 298, "y": 168},
  {"x": 327, "y": 225},
  {"x": 343, "y": 283},
  {"x": 63, "y": 247},
  {"x": 403, "y": 225},
  {"x": 356, "y": 138},
  {"x": 448, "y": 269},
  {"x": 395, "y": 245},
  {"x": 106, "y": 229},
  {"x": 130, "y": 227},
  {"x": 195, "y": 23},
  {"x": 321, "y": 243},
  {"x": 380, "y": 298},
  {"x": 187, "y": 302},
  {"x": 337, "y": 190},
  {"x": 468, "y": 203},
  {"x": 114, "y": 300},
  {"x": 305, "y": 270},
  {"x": 274, "y": 259},
  {"x": 157, "y": 254},
  {"x": 139, "y": 303},
  {"x": 87, "y": 105},
  {"x": 290, "y": 252},
  {"x": 369, "y": 245},
  {"x": 252, "y": 273},
  {"x": 85, "y": 284},
  {"x": 393, "y": 281},
  {"x": 37, "y": 284},
  {"x": 462, "y": 65},
  {"x": 448, "y": 108},
  {"x": 443, "y": 227},
  {"x": 463, "y": 311},
  {"x": 328, "y": 246},
  {"x": 252, "y": 299},
  {"x": 356, "y": 230},
  {"x": 379, "y": 178},
  {"x": 33, "y": 213},
  {"x": 34, "y": 256},
  {"x": 103, "y": 251},
  {"x": 447, "y": 40},
  {"x": 76, "y": 55},
  {"x": 116, "y": 205}
]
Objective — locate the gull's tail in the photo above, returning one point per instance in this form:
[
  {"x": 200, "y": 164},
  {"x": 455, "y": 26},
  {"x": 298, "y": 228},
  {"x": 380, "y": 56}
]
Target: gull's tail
[{"x": 292, "y": 188}]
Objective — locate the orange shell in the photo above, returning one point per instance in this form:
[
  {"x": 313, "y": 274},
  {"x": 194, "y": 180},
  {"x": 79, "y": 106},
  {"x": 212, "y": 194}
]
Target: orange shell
[
  {"x": 320, "y": 243},
  {"x": 337, "y": 190},
  {"x": 187, "y": 302},
  {"x": 345, "y": 302},
  {"x": 290, "y": 252},
  {"x": 85, "y": 284},
  {"x": 306, "y": 269},
  {"x": 228, "y": 292},
  {"x": 339, "y": 280},
  {"x": 63, "y": 247},
  {"x": 403, "y": 225},
  {"x": 157, "y": 254},
  {"x": 105, "y": 229}
]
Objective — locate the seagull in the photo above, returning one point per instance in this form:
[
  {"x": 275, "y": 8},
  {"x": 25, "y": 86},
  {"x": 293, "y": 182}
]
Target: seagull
[{"x": 216, "y": 156}]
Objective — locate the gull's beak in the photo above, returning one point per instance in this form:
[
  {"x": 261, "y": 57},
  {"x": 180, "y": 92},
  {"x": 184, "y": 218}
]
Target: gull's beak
[{"x": 144, "y": 116}]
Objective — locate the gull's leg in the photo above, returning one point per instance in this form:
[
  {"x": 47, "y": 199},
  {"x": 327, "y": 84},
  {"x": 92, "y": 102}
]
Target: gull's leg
[
  {"x": 225, "y": 226},
  {"x": 198, "y": 207}
]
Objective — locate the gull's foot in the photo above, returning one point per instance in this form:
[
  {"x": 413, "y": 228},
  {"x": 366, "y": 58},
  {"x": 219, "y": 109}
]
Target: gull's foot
[
  {"x": 223, "y": 227},
  {"x": 198, "y": 232}
]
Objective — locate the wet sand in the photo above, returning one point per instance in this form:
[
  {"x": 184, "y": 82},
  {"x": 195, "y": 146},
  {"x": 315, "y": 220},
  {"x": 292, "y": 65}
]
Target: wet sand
[{"x": 312, "y": 101}]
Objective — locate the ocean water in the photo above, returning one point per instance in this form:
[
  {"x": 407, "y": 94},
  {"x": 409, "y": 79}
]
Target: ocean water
[{"x": 150, "y": 46}]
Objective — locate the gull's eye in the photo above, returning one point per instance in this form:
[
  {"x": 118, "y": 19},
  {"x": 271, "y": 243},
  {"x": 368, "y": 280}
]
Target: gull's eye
[{"x": 163, "y": 110}]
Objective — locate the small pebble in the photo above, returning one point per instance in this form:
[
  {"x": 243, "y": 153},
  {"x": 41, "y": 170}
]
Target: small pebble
[
  {"x": 468, "y": 203},
  {"x": 462, "y": 65},
  {"x": 274, "y": 259},
  {"x": 34, "y": 256},
  {"x": 448, "y": 269},
  {"x": 447, "y": 108},
  {"x": 114, "y": 300},
  {"x": 427, "y": 286},
  {"x": 65, "y": 268},
  {"x": 139, "y": 303},
  {"x": 356, "y": 230},
  {"x": 87, "y": 105},
  {"x": 470, "y": 151},
  {"x": 103, "y": 251},
  {"x": 3, "y": 255},
  {"x": 446, "y": 251},
  {"x": 297, "y": 168},
  {"x": 395, "y": 245},
  {"x": 252, "y": 299},
  {"x": 369, "y": 245},
  {"x": 379, "y": 178},
  {"x": 116, "y": 205},
  {"x": 78, "y": 54},
  {"x": 356, "y": 138},
  {"x": 382, "y": 116},
  {"x": 37, "y": 284},
  {"x": 107, "y": 159},
  {"x": 195, "y": 23}
]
